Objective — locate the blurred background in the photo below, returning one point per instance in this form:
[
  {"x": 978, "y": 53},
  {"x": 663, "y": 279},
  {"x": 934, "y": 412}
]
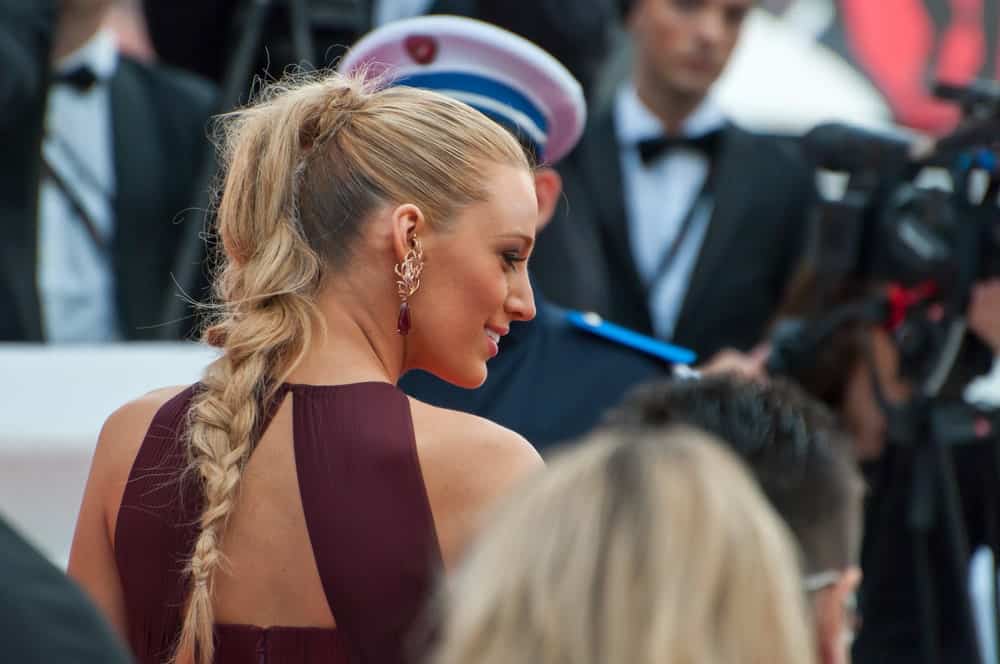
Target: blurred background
[{"x": 103, "y": 250}]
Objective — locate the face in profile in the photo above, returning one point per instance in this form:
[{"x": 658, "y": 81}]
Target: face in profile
[
  {"x": 475, "y": 281},
  {"x": 683, "y": 45}
]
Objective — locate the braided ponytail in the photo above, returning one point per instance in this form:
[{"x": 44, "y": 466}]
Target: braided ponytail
[{"x": 264, "y": 328}]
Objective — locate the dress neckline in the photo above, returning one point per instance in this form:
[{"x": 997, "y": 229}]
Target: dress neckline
[{"x": 335, "y": 386}]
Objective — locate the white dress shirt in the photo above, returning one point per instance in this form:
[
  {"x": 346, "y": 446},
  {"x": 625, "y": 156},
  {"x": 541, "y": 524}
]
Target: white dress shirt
[
  {"x": 658, "y": 198},
  {"x": 75, "y": 277}
]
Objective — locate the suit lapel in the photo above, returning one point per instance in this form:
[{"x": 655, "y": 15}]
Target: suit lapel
[
  {"x": 732, "y": 190},
  {"x": 600, "y": 166},
  {"x": 139, "y": 200}
]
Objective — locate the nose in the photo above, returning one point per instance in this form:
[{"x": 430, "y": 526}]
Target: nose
[{"x": 520, "y": 303}]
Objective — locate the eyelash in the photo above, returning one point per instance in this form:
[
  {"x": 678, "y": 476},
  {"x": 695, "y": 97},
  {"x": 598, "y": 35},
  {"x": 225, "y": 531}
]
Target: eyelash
[{"x": 512, "y": 259}]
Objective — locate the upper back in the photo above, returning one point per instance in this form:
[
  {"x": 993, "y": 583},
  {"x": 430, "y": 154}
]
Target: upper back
[
  {"x": 336, "y": 522},
  {"x": 331, "y": 525}
]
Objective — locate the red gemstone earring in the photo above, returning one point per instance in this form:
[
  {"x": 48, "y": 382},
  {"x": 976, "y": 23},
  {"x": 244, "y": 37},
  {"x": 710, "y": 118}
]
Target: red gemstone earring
[{"x": 408, "y": 271}]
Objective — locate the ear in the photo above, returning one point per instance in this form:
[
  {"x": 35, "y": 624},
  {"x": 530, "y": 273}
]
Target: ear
[
  {"x": 548, "y": 189},
  {"x": 831, "y": 609},
  {"x": 408, "y": 222}
]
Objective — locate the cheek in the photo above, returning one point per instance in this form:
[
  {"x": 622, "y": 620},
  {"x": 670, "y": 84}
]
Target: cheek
[
  {"x": 730, "y": 44},
  {"x": 472, "y": 291}
]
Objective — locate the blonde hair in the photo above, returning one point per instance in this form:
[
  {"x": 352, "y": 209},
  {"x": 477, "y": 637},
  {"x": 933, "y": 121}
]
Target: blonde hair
[
  {"x": 304, "y": 167},
  {"x": 644, "y": 548}
]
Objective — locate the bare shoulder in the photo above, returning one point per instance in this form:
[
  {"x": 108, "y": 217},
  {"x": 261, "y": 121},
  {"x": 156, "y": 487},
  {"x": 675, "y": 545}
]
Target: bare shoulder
[
  {"x": 462, "y": 441},
  {"x": 120, "y": 439},
  {"x": 125, "y": 428},
  {"x": 468, "y": 464}
]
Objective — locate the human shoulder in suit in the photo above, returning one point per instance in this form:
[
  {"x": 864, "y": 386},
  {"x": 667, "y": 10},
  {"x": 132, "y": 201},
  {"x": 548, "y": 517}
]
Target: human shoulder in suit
[
  {"x": 112, "y": 149},
  {"x": 45, "y": 617},
  {"x": 698, "y": 223}
]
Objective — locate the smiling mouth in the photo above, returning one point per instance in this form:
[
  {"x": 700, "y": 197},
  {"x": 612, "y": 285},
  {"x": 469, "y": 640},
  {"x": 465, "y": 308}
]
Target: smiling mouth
[{"x": 495, "y": 336}]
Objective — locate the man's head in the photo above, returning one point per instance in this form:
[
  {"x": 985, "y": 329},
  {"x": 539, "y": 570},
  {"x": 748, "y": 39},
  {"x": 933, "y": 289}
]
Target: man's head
[
  {"x": 682, "y": 46},
  {"x": 801, "y": 459}
]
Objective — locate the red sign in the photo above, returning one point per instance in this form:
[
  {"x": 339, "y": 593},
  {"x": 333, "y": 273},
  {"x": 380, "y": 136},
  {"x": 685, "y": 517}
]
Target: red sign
[{"x": 905, "y": 45}]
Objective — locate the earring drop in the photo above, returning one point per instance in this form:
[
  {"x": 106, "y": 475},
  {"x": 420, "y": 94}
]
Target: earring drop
[{"x": 408, "y": 273}]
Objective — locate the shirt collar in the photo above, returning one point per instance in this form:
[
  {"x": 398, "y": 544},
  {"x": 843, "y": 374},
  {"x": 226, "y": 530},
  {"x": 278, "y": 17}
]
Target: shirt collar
[
  {"x": 634, "y": 122},
  {"x": 99, "y": 53}
]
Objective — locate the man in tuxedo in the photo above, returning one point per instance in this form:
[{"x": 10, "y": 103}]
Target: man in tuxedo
[
  {"x": 102, "y": 155},
  {"x": 690, "y": 225}
]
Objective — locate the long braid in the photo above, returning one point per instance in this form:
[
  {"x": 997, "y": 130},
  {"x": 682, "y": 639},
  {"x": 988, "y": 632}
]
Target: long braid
[{"x": 264, "y": 329}]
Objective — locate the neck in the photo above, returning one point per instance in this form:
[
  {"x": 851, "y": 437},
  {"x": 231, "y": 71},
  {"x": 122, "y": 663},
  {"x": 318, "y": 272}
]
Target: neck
[
  {"x": 75, "y": 28},
  {"x": 670, "y": 107},
  {"x": 357, "y": 346}
]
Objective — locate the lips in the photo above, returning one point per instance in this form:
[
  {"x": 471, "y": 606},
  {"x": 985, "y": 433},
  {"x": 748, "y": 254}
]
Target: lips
[{"x": 493, "y": 340}]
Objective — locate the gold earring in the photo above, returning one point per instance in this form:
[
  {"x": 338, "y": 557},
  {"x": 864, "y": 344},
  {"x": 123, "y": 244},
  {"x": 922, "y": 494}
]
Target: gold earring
[{"x": 408, "y": 271}]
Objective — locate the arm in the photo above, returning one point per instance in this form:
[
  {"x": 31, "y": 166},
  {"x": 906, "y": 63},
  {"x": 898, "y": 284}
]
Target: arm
[{"x": 92, "y": 556}]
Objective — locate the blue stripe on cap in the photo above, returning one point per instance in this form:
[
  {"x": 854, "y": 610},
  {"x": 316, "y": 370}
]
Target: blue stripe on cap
[
  {"x": 515, "y": 127},
  {"x": 479, "y": 85}
]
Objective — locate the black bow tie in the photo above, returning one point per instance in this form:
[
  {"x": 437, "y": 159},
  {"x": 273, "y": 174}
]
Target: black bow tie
[
  {"x": 81, "y": 78},
  {"x": 652, "y": 149}
]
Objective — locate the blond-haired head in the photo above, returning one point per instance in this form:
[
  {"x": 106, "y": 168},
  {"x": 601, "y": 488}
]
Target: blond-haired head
[{"x": 644, "y": 548}]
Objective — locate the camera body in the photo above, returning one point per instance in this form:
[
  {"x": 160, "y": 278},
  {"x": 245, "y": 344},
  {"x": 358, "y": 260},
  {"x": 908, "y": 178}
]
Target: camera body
[
  {"x": 889, "y": 227},
  {"x": 915, "y": 245}
]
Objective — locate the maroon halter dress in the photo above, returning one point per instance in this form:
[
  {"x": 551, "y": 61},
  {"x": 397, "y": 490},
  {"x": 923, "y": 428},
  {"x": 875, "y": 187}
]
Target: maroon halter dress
[{"x": 366, "y": 510}]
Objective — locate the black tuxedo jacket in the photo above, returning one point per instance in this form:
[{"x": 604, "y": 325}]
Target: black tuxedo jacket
[
  {"x": 159, "y": 130},
  {"x": 754, "y": 241}
]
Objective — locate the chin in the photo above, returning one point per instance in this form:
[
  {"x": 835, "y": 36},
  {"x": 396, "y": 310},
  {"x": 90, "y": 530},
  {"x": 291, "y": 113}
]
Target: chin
[
  {"x": 468, "y": 377},
  {"x": 692, "y": 84},
  {"x": 471, "y": 380}
]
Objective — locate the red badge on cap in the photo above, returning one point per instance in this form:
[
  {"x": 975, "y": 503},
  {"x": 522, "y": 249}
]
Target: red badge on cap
[{"x": 422, "y": 48}]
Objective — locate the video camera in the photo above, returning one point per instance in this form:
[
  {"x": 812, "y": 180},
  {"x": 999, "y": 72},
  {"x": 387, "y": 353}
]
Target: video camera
[
  {"x": 927, "y": 244},
  {"x": 888, "y": 227}
]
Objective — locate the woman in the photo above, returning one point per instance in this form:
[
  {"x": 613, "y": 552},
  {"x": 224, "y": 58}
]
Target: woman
[
  {"x": 645, "y": 547},
  {"x": 294, "y": 505}
]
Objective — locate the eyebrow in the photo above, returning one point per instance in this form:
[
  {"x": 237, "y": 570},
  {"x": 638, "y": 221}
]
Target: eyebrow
[{"x": 530, "y": 241}]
